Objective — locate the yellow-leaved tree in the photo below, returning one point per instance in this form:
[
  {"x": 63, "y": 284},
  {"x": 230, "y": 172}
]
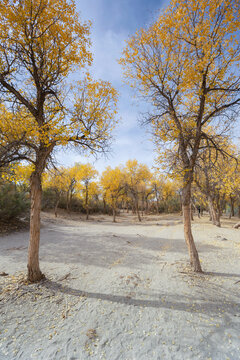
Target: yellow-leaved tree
[
  {"x": 216, "y": 176},
  {"x": 85, "y": 176},
  {"x": 113, "y": 185},
  {"x": 56, "y": 179},
  {"x": 187, "y": 65},
  {"x": 135, "y": 175},
  {"x": 41, "y": 43}
]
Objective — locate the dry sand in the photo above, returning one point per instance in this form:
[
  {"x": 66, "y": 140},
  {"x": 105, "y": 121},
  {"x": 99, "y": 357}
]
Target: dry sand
[{"x": 121, "y": 292}]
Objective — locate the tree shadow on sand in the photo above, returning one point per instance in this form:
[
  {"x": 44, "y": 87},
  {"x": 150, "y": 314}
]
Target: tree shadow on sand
[{"x": 170, "y": 301}]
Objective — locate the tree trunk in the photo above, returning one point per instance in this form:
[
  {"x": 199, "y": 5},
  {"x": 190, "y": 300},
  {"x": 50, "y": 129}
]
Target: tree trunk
[
  {"x": 68, "y": 201},
  {"x": 104, "y": 206},
  {"x": 218, "y": 221},
  {"x": 142, "y": 205},
  {"x": 212, "y": 211},
  {"x": 186, "y": 198},
  {"x": 239, "y": 211},
  {"x": 157, "y": 205},
  {"x": 133, "y": 207},
  {"x": 138, "y": 212},
  {"x": 232, "y": 206},
  {"x": 86, "y": 204},
  {"x": 114, "y": 214},
  {"x": 147, "y": 207},
  {"x": 219, "y": 212},
  {"x": 34, "y": 272}
]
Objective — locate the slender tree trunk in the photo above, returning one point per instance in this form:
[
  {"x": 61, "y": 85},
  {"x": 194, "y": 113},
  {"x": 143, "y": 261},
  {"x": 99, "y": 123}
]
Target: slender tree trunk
[
  {"x": 133, "y": 207},
  {"x": 104, "y": 206},
  {"x": 219, "y": 212},
  {"x": 34, "y": 272},
  {"x": 212, "y": 210},
  {"x": 232, "y": 206},
  {"x": 147, "y": 207},
  {"x": 218, "y": 221},
  {"x": 68, "y": 201},
  {"x": 157, "y": 205},
  {"x": 186, "y": 198},
  {"x": 86, "y": 204},
  {"x": 239, "y": 211},
  {"x": 114, "y": 214},
  {"x": 137, "y": 210}
]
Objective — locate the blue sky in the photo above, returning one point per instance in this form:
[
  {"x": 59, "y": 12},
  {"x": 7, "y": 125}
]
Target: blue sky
[{"x": 113, "y": 21}]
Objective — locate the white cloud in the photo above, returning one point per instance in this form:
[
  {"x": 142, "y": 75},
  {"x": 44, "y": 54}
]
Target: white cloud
[{"x": 131, "y": 140}]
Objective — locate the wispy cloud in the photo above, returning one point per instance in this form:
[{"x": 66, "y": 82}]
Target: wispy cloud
[{"x": 112, "y": 23}]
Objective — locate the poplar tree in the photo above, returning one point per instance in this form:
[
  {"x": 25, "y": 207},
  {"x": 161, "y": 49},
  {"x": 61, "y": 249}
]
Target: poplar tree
[
  {"x": 186, "y": 64},
  {"x": 41, "y": 43}
]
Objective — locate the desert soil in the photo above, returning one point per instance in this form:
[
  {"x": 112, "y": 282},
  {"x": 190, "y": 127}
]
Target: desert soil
[{"x": 121, "y": 291}]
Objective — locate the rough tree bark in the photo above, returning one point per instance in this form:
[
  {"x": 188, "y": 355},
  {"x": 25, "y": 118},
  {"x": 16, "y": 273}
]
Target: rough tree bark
[
  {"x": 214, "y": 215},
  {"x": 186, "y": 206},
  {"x": 137, "y": 210},
  {"x": 34, "y": 272}
]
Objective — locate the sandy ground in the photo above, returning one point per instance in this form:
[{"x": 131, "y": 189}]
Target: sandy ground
[{"x": 121, "y": 292}]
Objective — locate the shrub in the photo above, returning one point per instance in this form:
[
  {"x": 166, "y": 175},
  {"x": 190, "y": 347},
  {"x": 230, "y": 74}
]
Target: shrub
[{"x": 13, "y": 203}]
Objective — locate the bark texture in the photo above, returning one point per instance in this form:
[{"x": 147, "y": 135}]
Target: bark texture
[
  {"x": 214, "y": 214},
  {"x": 186, "y": 207},
  {"x": 138, "y": 212},
  {"x": 34, "y": 272}
]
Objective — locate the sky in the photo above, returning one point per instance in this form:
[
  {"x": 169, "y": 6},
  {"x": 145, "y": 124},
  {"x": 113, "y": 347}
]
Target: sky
[{"x": 113, "y": 21}]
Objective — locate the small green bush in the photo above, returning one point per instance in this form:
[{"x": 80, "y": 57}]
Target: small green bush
[{"x": 13, "y": 203}]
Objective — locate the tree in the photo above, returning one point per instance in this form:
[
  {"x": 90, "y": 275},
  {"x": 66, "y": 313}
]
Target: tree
[
  {"x": 86, "y": 175},
  {"x": 216, "y": 176},
  {"x": 232, "y": 185},
  {"x": 186, "y": 65},
  {"x": 41, "y": 43},
  {"x": 113, "y": 185},
  {"x": 135, "y": 175},
  {"x": 72, "y": 174},
  {"x": 209, "y": 180},
  {"x": 157, "y": 187},
  {"x": 58, "y": 181}
]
